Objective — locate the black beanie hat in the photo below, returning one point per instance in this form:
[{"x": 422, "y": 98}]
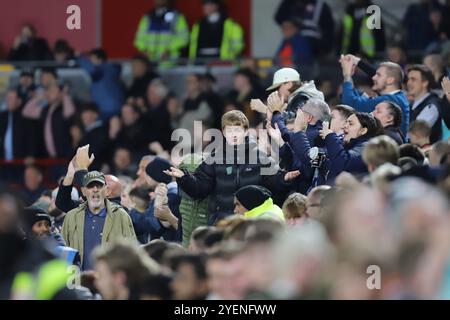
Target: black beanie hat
[
  {"x": 34, "y": 214},
  {"x": 39, "y": 217},
  {"x": 155, "y": 170},
  {"x": 252, "y": 196}
]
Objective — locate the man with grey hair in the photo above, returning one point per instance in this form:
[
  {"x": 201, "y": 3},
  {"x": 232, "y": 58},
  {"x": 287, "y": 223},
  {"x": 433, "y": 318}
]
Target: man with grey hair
[
  {"x": 97, "y": 221},
  {"x": 316, "y": 112}
]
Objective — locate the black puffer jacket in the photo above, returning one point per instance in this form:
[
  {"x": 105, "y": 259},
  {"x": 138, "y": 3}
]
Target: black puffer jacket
[{"x": 219, "y": 177}]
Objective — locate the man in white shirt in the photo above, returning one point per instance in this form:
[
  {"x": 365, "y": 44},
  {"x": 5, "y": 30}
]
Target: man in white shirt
[{"x": 425, "y": 104}]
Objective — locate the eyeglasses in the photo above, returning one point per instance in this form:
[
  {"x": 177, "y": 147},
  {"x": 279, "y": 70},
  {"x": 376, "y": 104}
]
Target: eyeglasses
[{"x": 95, "y": 184}]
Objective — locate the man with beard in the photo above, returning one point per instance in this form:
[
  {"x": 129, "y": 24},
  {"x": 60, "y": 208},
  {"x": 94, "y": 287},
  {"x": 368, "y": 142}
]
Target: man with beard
[
  {"x": 97, "y": 221},
  {"x": 387, "y": 83},
  {"x": 65, "y": 199}
]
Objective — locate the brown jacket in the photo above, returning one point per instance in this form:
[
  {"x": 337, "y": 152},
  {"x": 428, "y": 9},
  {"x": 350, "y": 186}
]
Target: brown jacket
[{"x": 118, "y": 225}]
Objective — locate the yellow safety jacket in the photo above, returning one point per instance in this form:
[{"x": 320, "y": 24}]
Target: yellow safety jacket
[
  {"x": 366, "y": 37},
  {"x": 155, "y": 43},
  {"x": 232, "y": 40},
  {"x": 266, "y": 210},
  {"x": 44, "y": 284}
]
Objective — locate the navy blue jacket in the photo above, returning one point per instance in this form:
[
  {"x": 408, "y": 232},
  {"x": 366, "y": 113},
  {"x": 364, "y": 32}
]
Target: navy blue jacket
[
  {"x": 340, "y": 157},
  {"x": 139, "y": 225},
  {"x": 147, "y": 225},
  {"x": 312, "y": 131},
  {"x": 288, "y": 160},
  {"x": 301, "y": 145},
  {"x": 291, "y": 156},
  {"x": 347, "y": 157}
]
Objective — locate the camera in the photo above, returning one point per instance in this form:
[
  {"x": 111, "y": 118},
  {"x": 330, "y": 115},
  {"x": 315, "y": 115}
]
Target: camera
[
  {"x": 297, "y": 103},
  {"x": 316, "y": 157}
]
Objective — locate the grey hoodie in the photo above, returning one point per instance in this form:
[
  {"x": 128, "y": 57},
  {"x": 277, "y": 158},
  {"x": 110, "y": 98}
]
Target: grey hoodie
[{"x": 308, "y": 89}]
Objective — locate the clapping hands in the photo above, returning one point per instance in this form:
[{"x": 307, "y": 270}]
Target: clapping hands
[{"x": 275, "y": 102}]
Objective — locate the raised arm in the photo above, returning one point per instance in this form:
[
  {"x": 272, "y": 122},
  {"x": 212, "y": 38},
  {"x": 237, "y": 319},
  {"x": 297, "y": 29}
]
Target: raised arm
[{"x": 197, "y": 185}]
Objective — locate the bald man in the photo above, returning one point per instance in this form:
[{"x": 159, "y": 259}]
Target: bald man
[{"x": 114, "y": 188}]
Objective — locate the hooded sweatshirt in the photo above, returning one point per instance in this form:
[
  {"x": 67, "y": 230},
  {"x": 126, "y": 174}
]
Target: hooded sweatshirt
[{"x": 309, "y": 90}]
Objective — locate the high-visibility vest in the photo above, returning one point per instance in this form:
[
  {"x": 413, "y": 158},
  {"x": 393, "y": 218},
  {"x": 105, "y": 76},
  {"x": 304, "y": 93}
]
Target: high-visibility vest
[
  {"x": 366, "y": 38},
  {"x": 267, "y": 210},
  {"x": 51, "y": 277},
  {"x": 154, "y": 43},
  {"x": 232, "y": 40}
]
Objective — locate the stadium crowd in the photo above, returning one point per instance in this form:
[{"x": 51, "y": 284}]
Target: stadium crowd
[{"x": 303, "y": 191}]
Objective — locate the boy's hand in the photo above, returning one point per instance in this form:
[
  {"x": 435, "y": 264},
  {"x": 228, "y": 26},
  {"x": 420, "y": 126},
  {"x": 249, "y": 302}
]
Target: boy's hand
[
  {"x": 291, "y": 175},
  {"x": 174, "y": 172}
]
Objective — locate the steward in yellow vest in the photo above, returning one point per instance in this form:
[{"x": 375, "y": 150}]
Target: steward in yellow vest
[
  {"x": 255, "y": 202},
  {"x": 162, "y": 33},
  {"x": 216, "y": 35}
]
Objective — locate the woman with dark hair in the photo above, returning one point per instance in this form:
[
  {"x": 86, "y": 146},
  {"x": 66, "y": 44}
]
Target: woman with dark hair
[
  {"x": 342, "y": 154},
  {"x": 390, "y": 115},
  {"x": 359, "y": 129}
]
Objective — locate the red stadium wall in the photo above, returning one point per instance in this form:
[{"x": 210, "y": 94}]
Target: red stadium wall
[
  {"x": 119, "y": 21},
  {"x": 49, "y": 18}
]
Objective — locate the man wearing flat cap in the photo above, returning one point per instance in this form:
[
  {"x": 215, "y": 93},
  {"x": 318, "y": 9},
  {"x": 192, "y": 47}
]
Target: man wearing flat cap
[{"x": 97, "y": 221}]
